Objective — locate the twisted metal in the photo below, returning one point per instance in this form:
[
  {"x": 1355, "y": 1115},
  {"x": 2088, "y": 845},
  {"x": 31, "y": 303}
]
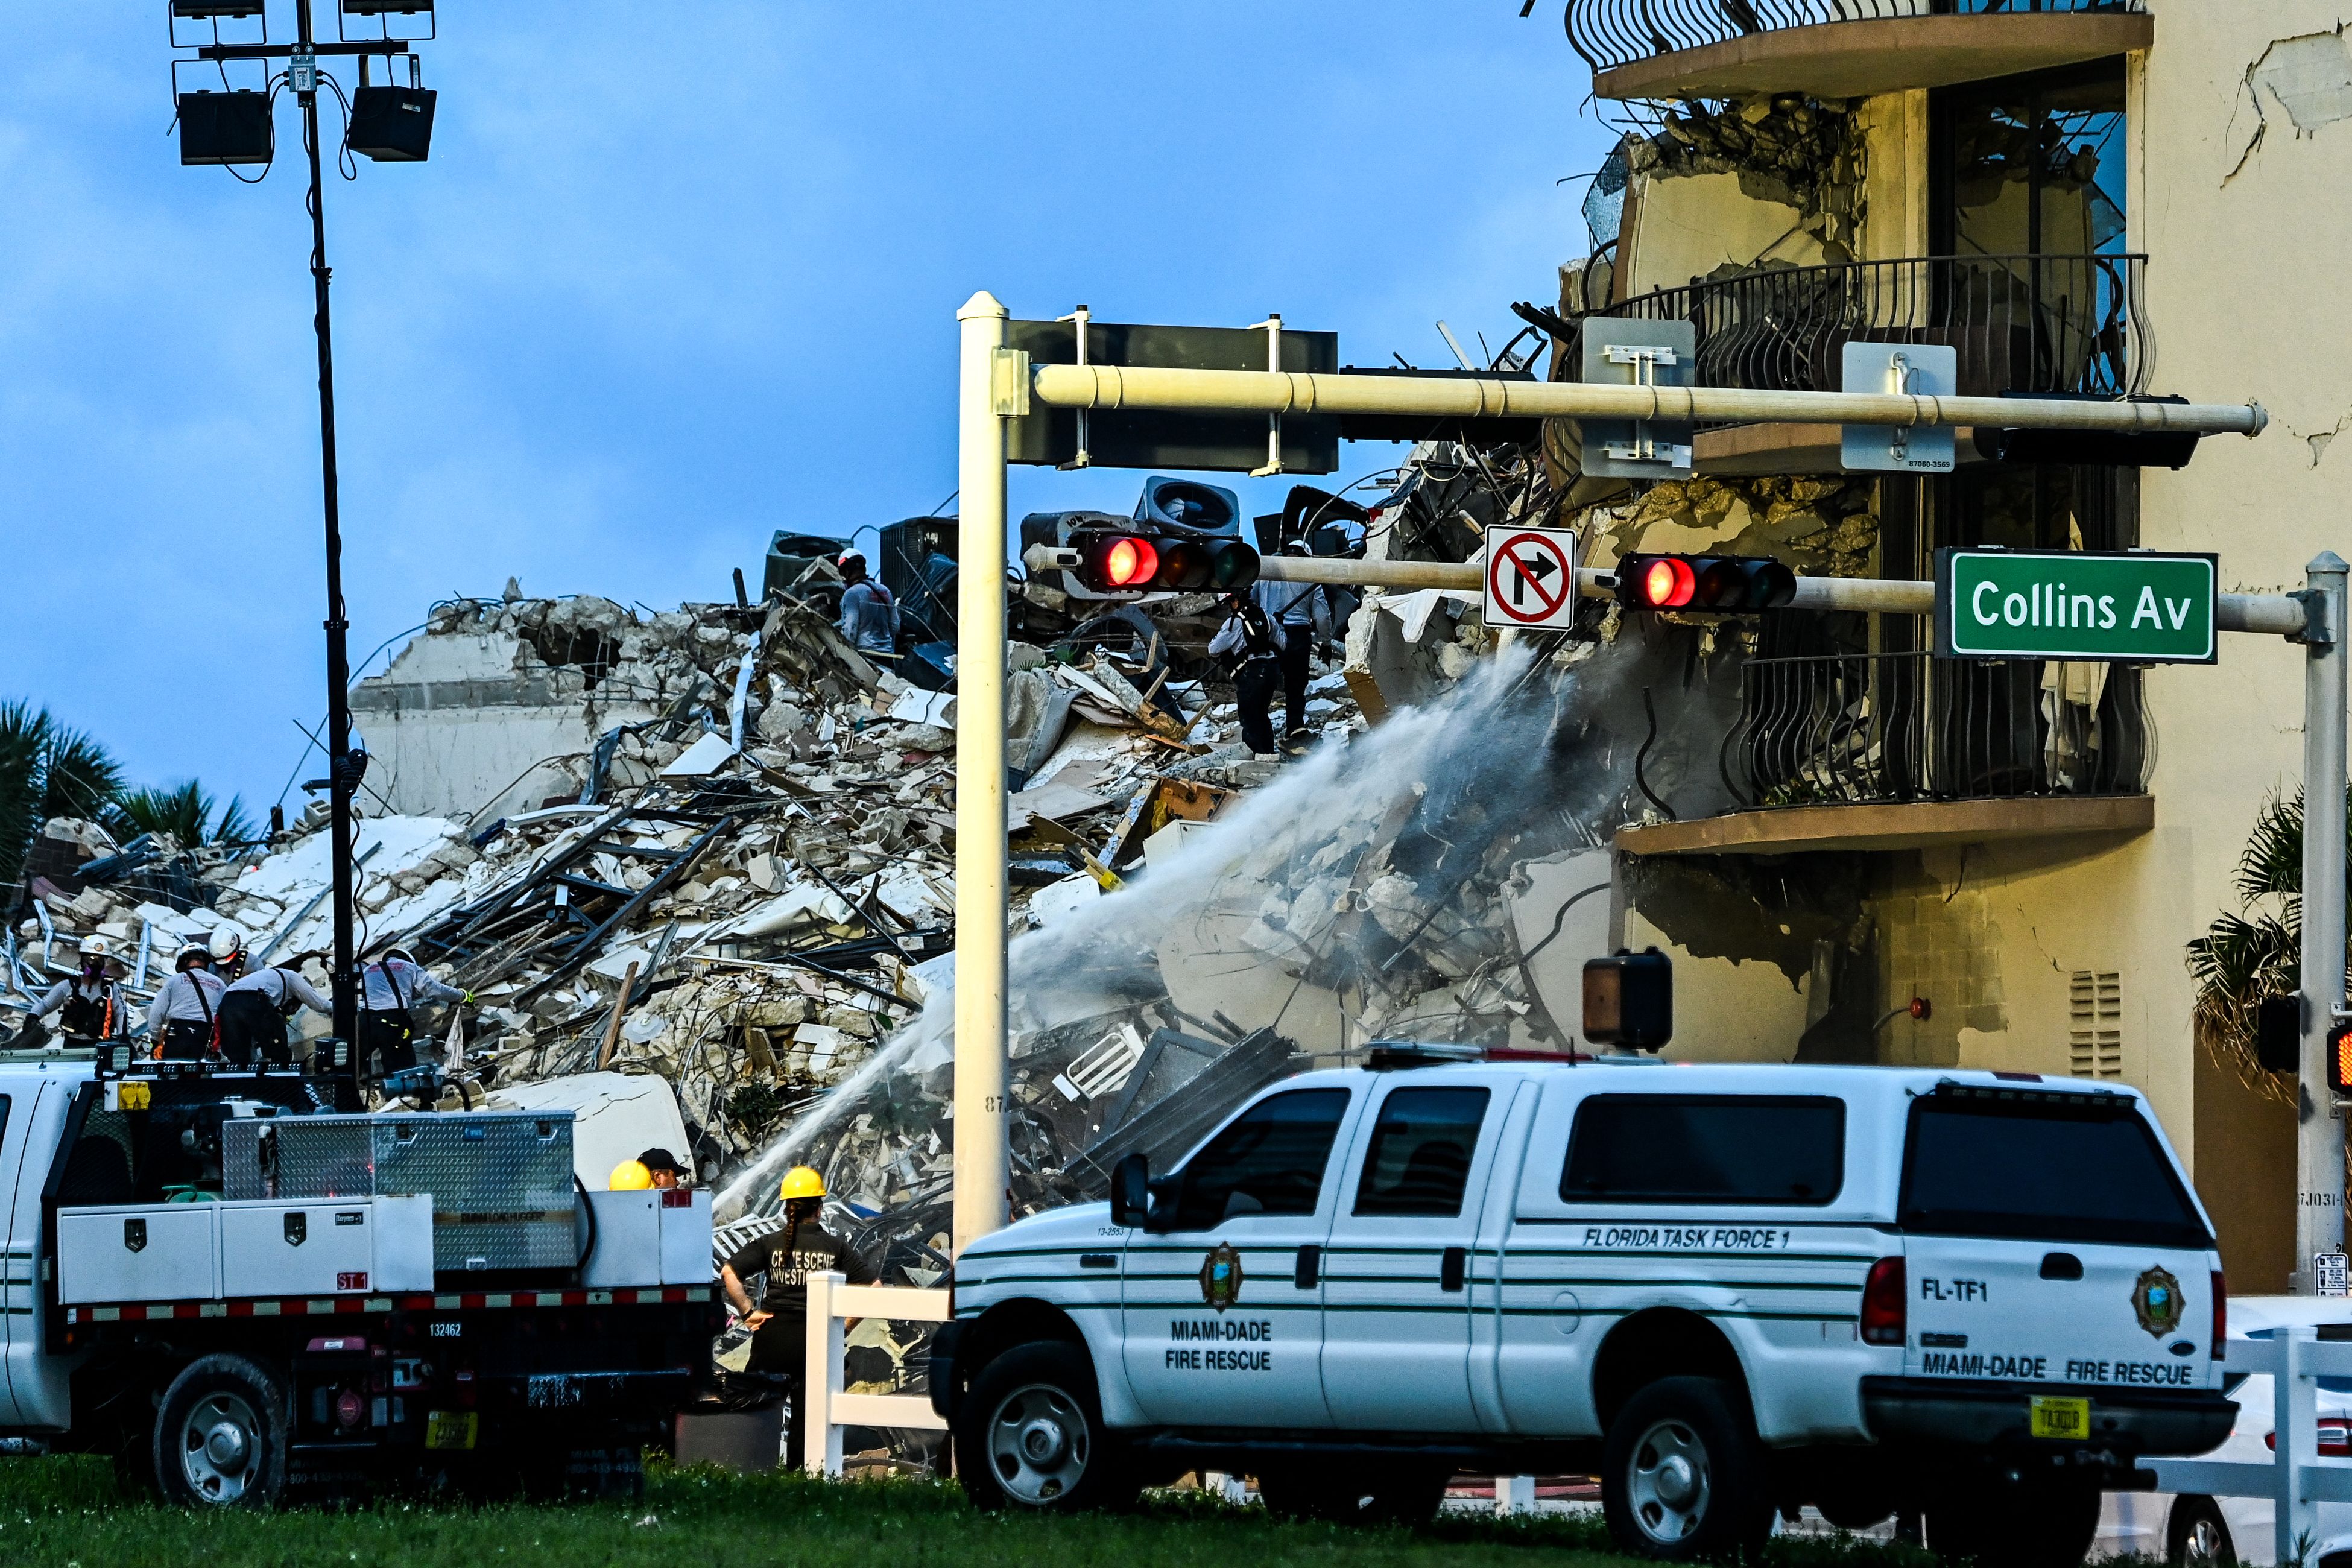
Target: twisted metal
[
  {"x": 1850, "y": 729},
  {"x": 1613, "y": 33},
  {"x": 2020, "y": 323}
]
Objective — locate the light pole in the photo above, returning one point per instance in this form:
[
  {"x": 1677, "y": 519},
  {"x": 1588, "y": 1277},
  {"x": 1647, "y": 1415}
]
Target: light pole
[{"x": 344, "y": 766}]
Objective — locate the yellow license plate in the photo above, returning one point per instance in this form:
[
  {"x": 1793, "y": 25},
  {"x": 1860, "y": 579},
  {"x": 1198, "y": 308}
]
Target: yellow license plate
[
  {"x": 2057, "y": 1417},
  {"x": 458, "y": 1428}
]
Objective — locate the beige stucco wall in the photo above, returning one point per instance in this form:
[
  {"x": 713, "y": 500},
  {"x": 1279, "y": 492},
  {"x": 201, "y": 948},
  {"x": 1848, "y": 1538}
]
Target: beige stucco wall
[{"x": 2241, "y": 151}]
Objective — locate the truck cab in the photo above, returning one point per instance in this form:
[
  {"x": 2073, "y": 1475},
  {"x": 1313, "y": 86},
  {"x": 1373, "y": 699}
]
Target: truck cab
[{"x": 1730, "y": 1291}]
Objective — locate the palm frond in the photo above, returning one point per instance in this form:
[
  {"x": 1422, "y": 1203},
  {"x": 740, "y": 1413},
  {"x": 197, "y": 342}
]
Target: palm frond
[
  {"x": 80, "y": 776},
  {"x": 232, "y": 826},
  {"x": 2272, "y": 862}
]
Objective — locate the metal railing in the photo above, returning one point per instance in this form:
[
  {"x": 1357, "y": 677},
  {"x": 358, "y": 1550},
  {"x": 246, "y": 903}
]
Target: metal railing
[
  {"x": 1611, "y": 33},
  {"x": 2018, "y": 323},
  {"x": 1854, "y": 729}
]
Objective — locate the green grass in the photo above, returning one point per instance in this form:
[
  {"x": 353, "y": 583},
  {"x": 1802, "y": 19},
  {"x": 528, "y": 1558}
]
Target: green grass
[{"x": 67, "y": 1514}]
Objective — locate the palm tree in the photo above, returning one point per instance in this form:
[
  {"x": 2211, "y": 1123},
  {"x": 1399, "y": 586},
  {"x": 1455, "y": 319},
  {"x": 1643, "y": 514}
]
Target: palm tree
[
  {"x": 2245, "y": 957},
  {"x": 186, "y": 813},
  {"x": 46, "y": 769}
]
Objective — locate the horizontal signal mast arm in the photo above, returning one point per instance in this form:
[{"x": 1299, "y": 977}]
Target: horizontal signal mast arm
[
  {"x": 1284, "y": 392},
  {"x": 2276, "y": 613}
]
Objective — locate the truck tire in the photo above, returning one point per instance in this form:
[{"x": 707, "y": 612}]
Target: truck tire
[
  {"x": 220, "y": 1435},
  {"x": 1349, "y": 1491},
  {"x": 2197, "y": 1536},
  {"x": 1682, "y": 1473},
  {"x": 1029, "y": 1435},
  {"x": 2015, "y": 1526}
]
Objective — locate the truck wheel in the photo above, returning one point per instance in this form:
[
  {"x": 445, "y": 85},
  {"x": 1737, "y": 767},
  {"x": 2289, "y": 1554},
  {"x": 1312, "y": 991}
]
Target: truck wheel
[
  {"x": 220, "y": 1435},
  {"x": 1031, "y": 1435},
  {"x": 2198, "y": 1536},
  {"x": 2015, "y": 1526},
  {"x": 1682, "y": 1473}
]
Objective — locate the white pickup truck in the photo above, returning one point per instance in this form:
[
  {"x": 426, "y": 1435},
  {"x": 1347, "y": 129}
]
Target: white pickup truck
[{"x": 1730, "y": 1291}]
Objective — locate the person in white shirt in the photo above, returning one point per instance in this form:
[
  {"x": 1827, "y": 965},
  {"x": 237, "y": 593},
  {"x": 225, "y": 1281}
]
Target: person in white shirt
[
  {"x": 254, "y": 1011},
  {"x": 180, "y": 1020},
  {"x": 390, "y": 986}
]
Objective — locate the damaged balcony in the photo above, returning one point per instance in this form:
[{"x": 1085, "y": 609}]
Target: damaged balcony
[
  {"x": 1839, "y": 49},
  {"x": 1902, "y": 750},
  {"x": 2068, "y": 324}
]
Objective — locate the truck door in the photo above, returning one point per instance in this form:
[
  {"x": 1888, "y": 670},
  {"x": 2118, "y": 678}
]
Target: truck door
[
  {"x": 2049, "y": 1239},
  {"x": 1396, "y": 1295},
  {"x": 20, "y": 1288},
  {"x": 1222, "y": 1304}
]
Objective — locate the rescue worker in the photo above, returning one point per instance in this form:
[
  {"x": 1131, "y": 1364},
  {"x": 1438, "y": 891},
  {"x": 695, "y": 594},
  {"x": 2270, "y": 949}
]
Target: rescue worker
[
  {"x": 869, "y": 616},
  {"x": 788, "y": 1254},
  {"x": 1303, "y": 611},
  {"x": 661, "y": 1166},
  {"x": 92, "y": 1002},
  {"x": 254, "y": 1011},
  {"x": 629, "y": 1177},
  {"x": 227, "y": 947},
  {"x": 180, "y": 1020},
  {"x": 389, "y": 988},
  {"x": 1257, "y": 637}
]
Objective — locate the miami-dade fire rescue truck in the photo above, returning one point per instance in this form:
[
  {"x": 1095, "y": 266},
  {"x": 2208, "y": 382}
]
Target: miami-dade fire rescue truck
[
  {"x": 242, "y": 1288},
  {"x": 1730, "y": 1291}
]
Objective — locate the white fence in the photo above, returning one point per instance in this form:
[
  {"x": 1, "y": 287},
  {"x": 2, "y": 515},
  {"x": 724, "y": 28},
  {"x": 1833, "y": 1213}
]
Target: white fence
[
  {"x": 823, "y": 1406},
  {"x": 2296, "y": 1478}
]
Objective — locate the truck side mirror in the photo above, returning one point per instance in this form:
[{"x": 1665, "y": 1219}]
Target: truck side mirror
[
  {"x": 1131, "y": 1191},
  {"x": 1629, "y": 1000}
]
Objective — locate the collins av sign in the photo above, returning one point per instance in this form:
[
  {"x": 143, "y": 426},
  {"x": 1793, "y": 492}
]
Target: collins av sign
[{"x": 2131, "y": 608}]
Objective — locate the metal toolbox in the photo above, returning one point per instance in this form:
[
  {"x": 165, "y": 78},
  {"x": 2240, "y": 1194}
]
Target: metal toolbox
[
  {"x": 502, "y": 1182},
  {"x": 164, "y": 1252}
]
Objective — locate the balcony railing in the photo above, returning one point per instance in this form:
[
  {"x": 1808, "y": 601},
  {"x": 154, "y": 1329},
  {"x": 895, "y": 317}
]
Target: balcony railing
[
  {"x": 1849, "y": 729},
  {"x": 1613, "y": 33},
  {"x": 2020, "y": 323}
]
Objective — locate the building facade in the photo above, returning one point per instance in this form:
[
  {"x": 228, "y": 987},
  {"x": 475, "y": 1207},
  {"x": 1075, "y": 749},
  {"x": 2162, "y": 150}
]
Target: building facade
[{"x": 2081, "y": 197}]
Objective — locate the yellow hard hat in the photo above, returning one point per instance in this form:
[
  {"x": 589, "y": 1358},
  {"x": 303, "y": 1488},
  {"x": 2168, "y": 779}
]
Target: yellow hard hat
[
  {"x": 629, "y": 1177},
  {"x": 801, "y": 1181}
]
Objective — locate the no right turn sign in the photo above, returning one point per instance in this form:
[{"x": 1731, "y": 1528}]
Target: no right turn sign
[{"x": 1531, "y": 577}]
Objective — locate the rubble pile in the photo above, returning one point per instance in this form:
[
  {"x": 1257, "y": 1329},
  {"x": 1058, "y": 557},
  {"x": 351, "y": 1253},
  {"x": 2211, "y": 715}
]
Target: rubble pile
[{"x": 750, "y": 922}]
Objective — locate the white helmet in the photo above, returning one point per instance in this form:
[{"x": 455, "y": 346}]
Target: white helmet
[
  {"x": 226, "y": 943},
  {"x": 96, "y": 947}
]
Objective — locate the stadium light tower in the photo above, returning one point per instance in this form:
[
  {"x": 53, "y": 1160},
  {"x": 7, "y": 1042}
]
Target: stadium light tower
[{"x": 232, "y": 127}]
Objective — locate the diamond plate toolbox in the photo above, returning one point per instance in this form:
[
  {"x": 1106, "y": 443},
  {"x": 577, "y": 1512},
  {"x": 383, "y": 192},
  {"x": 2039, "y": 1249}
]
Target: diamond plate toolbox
[{"x": 500, "y": 1181}]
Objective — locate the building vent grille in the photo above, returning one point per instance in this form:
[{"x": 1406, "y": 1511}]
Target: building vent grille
[{"x": 2095, "y": 1041}]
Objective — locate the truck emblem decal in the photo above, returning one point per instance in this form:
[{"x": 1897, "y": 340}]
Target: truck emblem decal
[
  {"x": 2156, "y": 1299},
  {"x": 1221, "y": 1277},
  {"x": 134, "y": 1235}
]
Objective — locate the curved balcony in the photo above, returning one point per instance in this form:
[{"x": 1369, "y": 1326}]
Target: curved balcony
[
  {"x": 2018, "y": 323},
  {"x": 1839, "y": 49},
  {"x": 1898, "y": 751}
]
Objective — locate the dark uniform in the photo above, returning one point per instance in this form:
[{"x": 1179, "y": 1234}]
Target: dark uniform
[
  {"x": 87, "y": 1010},
  {"x": 788, "y": 1255},
  {"x": 254, "y": 1012}
]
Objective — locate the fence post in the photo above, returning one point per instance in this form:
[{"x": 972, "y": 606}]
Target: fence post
[
  {"x": 2295, "y": 1427},
  {"x": 1514, "y": 1494},
  {"x": 820, "y": 1379}
]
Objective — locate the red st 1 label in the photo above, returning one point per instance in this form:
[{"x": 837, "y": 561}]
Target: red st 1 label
[{"x": 350, "y": 1281}]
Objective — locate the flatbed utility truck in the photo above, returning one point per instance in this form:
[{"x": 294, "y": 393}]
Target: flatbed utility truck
[{"x": 245, "y": 1287}]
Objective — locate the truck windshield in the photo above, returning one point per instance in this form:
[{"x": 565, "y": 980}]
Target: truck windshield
[{"x": 2035, "y": 1169}]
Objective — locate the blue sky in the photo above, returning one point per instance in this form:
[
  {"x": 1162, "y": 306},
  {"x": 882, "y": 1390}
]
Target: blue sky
[{"x": 676, "y": 275}]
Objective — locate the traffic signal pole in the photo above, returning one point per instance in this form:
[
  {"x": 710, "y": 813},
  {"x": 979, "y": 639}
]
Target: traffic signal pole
[
  {"x": 2319, "y": 1136},
  {"x": 996, "y": 384}
]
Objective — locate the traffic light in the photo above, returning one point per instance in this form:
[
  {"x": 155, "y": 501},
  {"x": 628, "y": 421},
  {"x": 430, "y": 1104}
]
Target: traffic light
[
  {"x": 2339, "y": 1058},
  {"x": 1161, "y": 563},
  {"x": 1726, "y": 584}
]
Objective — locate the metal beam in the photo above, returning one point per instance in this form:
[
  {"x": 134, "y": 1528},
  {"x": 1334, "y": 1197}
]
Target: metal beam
[{"x": 1287, "y": 392}]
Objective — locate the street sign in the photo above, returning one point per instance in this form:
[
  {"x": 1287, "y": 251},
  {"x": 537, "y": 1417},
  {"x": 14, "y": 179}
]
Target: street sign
[
  {"x": 1531, "y": 577},
  {"x": 2133, "y": 607}
]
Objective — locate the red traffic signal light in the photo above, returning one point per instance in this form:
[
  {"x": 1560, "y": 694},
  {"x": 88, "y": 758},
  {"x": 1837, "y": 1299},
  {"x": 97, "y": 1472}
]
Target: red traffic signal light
[
  {"x": 1140, "y": 563},
  {"x": 1726, "y": 584},
  {"x": 1119, "y": 564}
]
